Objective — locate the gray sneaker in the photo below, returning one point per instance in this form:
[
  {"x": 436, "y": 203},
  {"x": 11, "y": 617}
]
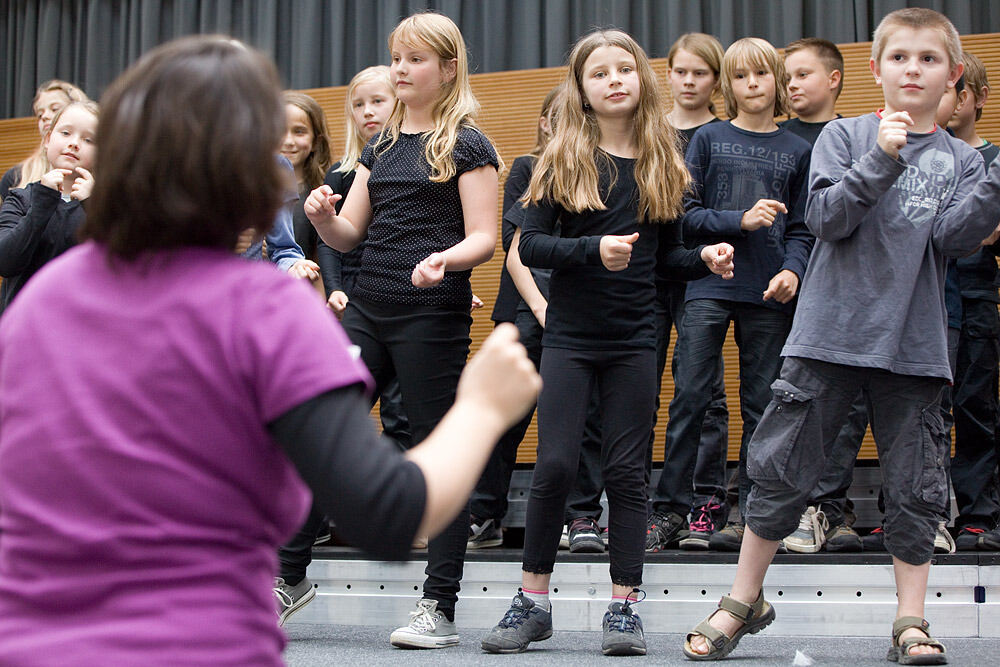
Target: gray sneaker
[
  {"x": 292, "y": 598},
  {"x": 622, "y": 631},
  {"x": 428, "y": 628},
  {"x": 524, "y": 622}
]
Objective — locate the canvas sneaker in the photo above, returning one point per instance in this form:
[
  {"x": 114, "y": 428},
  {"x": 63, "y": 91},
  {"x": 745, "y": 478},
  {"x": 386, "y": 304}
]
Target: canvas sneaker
[
  {"x": 809, "y": 537},
  {"x": 585, "y": 536},
  {"x": 428, "y": 628},
  {"x": 524, "y": 622},
  {"x": 484, "y": 534},
  {"x": 943, "y": 542},
  {"x": 701, "y": 529},
  {"x": 622, "y": 630},
  {"x": 290, "y": 599},
  {"x": 664, "y": 530}
]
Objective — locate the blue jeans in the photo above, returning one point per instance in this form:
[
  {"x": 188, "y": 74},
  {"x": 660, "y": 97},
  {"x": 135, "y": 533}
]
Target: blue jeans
[{"x": 760, "y": 333}]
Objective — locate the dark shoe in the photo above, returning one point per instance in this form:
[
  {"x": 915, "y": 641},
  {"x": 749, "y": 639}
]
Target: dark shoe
[
  {"x": 842, "y": 539},
  {"x": 968, "y": 538},
  {"x": 990, "y": 541},
  {"x": 664, "y": 530},
  {"x": 702, "y": 528},
  {"x": 755, "y": 617},
  {"x": 874, "y": 541},
  {"x": 484, "y": 533},
  {"x": 728, "y": 539},
  {"x": 524, "y": 622},
  {"x": 292, "y": 598},
  {"x": 585, "y": 536},
  {"x": 899, "y": 650},
  {"x": 324, "y": 535},
  {"x": 622, "y": 631}
]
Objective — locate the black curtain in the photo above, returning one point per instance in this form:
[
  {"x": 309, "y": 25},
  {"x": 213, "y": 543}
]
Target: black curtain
[{"x": 319, "y": 43}]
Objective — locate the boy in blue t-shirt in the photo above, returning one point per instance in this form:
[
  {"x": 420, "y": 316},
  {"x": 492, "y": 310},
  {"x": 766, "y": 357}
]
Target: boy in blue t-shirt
[{"x": 891, "y": 197}]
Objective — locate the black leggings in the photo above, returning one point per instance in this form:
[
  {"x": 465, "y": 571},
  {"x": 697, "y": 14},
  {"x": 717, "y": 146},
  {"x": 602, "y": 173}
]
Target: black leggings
[
  {"x": 626, "y": 384},
  {"x": 425, "y": 348}
]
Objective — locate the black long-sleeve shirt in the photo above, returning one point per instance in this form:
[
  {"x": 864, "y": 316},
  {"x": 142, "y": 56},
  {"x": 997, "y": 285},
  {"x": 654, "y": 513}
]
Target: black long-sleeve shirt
[
  {"x": 591, "y": 307},
  {"x": 36, "y": 225}
]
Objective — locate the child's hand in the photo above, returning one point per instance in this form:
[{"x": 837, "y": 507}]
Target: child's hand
[
  {"x": 500, "y": 379},
  {"x": 719, "y": 258},
  {"x": 617, "y": 250},
  {"x": 892, "y": 132},
  {"x": 83, "y": 185},
  {"x": 304, "y": 268},
  {"x": 245, "y": 240},
  {"x": 762, "y": 214},
  {"x": 477, "y": 303},
  {"x": 54, "y": 179},
  {"x": 320, "y": 204},
  {"x": 782, "y": 287},
  {"x": 430, "y": 271},
  {"x": 337, "y": 302}
]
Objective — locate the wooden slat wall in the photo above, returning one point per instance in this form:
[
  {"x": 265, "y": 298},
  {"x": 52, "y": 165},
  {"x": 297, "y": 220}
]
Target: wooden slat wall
[{"x": 510, "y": 103}]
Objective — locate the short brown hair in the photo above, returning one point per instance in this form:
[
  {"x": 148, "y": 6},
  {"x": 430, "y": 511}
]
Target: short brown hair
[
  {"x": 917, "y": 18},
  {"x": 754, "y": 52},
  {"x": 975, "y": 78},
  {"x": 188, "y": 141},
  {"x": 826, "y": 51}
]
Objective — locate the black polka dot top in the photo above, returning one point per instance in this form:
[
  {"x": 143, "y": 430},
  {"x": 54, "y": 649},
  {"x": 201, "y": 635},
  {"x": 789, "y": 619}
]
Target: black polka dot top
[{"x": 413, "y": 217}]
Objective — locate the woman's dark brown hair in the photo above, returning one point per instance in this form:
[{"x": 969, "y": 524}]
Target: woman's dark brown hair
[{"x": 187, "y": 142}]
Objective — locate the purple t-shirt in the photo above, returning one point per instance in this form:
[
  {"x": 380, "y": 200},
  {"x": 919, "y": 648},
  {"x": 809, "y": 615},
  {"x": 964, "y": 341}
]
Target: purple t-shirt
[{"x": 141, "y": 497}]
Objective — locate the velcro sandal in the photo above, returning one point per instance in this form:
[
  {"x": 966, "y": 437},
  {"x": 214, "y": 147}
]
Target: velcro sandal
[
  {"x": 900, "y": 651},
  {"x": 755, "y": 617}
]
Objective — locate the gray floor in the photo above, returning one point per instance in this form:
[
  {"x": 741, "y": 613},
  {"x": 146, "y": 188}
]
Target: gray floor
[{"x": 310, "y": 645}]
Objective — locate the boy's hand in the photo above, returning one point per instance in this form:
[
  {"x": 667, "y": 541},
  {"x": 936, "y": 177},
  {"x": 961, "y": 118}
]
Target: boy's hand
[
  {"x": 304, "y": 268},
  {"x": 719, "y": 259},
  {"x": 892, "y": 132},
  {"x": 617, "y": 250},
  {"x": 83, "y": 185},
  {"x": 319, "y": 205},
  {"x": 762, "y": 214},
  {"x": 782, "y": 287},
  {"x": 54, "y": 179},
  {"x": 430, "y": 271}
]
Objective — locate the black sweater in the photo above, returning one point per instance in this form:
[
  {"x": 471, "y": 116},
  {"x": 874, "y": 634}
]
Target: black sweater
[{"x": 36, "y": 225}]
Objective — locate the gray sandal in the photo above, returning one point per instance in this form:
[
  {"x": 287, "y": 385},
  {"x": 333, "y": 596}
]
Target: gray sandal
[
  {"x": 900, "y": 651},
  {"x": 755, "y": 617}
]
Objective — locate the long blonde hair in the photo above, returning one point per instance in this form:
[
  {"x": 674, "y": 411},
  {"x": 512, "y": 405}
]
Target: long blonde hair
[
  {"x": 455, "y": 107},
  {"x": 35, "y": 165},
  {"x": 567, "y": 170},
  {"x": 355, "y": 141}
]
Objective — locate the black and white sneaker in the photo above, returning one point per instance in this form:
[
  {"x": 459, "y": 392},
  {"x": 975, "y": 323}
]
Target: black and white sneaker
[
  {"x": 290, "y": 599},
  {"x": 623, "y": 631},
  {"x": 585, "y": 536},
  {"x": 524, "y": 622},
  {"x": 484, "y": 533}
]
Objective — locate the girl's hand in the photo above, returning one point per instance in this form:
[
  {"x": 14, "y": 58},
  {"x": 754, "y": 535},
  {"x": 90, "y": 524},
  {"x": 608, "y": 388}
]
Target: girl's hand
[
  {"x": 54, "y": 179},
  {"x": 320, "y": 204},
  {"x": 304, "y": 268},
  {"x": 337, "y": 303},
  {"x": 719, "y": 258},
  {"x": 892, "y": 132},
  {"x": 430, "y": 271},
  {"x": 762, "y": 214},
  {"x": 477, "y": 303},
  {"x": 782, "y": 287},
  {"x": 83, "y": 185},
  {"x": 617, "y": 250}
]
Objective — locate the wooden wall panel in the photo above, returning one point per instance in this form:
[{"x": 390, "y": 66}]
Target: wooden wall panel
[{"x": 510, "y": 103}]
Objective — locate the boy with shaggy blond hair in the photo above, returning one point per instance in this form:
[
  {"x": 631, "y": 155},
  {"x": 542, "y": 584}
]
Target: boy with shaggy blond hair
[{"x": 891, "y": 197}]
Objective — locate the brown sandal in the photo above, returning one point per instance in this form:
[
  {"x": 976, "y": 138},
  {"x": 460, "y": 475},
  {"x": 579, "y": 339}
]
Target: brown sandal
[
  {"x": 900, "y": 651},
  {"x": 755, "y": 617}
]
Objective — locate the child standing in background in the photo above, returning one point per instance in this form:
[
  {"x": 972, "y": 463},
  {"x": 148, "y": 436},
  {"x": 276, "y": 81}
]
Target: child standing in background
[
  {"x": 611, "y": 175},
  {"x": 749, "y": 188},
  {"x": 306, "y": 145},
  {"x": 425, "y": 195},
  {"x": 40, "y": 222}
]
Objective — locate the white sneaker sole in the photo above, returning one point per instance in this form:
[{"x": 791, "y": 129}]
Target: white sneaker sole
[{"x": 403, "y": 638}]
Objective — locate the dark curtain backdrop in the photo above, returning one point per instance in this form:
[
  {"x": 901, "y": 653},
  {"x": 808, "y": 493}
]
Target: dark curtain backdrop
[{"x": 319, "y": 43}]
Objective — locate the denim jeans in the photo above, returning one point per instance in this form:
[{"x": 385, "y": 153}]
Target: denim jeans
[{"x": 760, "y": 333}]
